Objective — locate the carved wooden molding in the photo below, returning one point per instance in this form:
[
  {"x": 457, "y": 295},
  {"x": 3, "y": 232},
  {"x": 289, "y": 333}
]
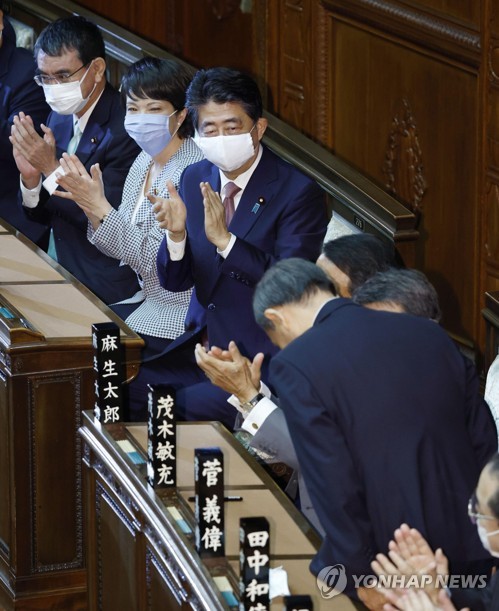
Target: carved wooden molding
[
  {"x": 320, "y": 104},
  {"x": 418, "y": 26},
  {"x": 403, "y": 165},
  {"x": 223, "y": 9},
  {"x": 492, "y": 222},
  {"x": 493, "y": 59}
]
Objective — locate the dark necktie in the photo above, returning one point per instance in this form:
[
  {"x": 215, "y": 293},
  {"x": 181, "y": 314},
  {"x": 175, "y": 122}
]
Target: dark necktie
[{"x": 230, "y": 190}]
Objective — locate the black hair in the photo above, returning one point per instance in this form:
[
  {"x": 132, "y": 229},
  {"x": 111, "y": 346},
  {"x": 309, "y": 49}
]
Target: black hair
[
  {"x": 408, "y": 288},
  {"x": 160, "y": 79},
  {"x": 221, "y": 85},
  {"x": 288, "y": 281},
  {"x": 493, "y": 503},
  {"x": 360, "y": 256},
  {"x": 71, "y": 33}
]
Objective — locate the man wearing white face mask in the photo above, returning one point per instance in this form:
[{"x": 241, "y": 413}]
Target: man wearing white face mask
[
  {"x": 272, "y": 211},
  {"x": 87, "y": 119}
]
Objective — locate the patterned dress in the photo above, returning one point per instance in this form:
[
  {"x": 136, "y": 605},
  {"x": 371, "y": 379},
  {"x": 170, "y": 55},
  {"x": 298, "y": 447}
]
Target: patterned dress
[{"x": 133, "y": 235}]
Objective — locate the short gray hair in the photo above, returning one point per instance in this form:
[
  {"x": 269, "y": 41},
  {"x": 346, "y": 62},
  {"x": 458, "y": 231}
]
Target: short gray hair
[{"x": 288, "y": 281}]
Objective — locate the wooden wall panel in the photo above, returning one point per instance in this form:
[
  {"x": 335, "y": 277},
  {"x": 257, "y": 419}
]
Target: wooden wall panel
[
  {"x": 409, "y": 120},
  {"x": 218, "y": 33},
  {"x": 465, "y": 11},
  {"x": 120, "y": 11}
]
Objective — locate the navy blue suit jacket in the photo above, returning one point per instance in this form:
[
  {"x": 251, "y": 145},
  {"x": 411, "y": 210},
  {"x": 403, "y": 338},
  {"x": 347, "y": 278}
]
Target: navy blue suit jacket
[
  {"x": 386, "y": 431},
  {"x": 281, "y": 214},
  {"x": 106, "y": 142},
  {"x": 18, "y": 92}
]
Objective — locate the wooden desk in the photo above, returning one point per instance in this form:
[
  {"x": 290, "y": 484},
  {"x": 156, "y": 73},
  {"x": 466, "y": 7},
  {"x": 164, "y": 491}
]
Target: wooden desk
[
  {"x": 134, "y": 540},
  {"x": 46, "y": 379}
]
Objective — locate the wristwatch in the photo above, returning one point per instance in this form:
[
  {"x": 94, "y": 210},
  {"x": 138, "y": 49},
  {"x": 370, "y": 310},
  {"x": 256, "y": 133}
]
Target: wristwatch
[{"x": 247, "y": 406}]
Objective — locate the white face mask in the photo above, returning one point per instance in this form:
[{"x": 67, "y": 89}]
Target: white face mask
[
  {"x": 484, "y": 538},
  {"x": 227, "y": 152},
  {"x": 150, "y": 132},
  {"x": 66, "y": 98}
]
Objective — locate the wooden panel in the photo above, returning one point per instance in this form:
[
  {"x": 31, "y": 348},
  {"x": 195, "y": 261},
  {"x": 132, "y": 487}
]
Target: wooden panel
[
  {"x": 5, "y": 473},
  {"x": 116, "y": 549},
  {"x": 217, "y": 33},
  {"x": 162, "y": 590},
  {"x": 120, "y": 11},
  {"x": 467, "y": 11},
  {"x": 158, "y": 21},
  {"x": 409, "y": 120},
  {"x": 55, "y": 418}
]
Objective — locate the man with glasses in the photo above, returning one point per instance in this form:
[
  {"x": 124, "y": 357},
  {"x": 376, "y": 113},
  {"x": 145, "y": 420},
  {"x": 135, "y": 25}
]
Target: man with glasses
[{"x": 87, "y": 118}]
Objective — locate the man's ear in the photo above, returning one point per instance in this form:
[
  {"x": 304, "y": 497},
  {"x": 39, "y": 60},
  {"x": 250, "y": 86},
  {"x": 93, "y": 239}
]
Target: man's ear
[
  {"x": 275, "y": 316},
  {"x": 261, "y": 126},
  {"x": 99, "y": 64}
]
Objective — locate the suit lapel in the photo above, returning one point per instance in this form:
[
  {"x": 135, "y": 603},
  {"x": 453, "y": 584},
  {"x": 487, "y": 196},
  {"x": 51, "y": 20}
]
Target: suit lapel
[
  {"x": 257, "y": 196},
  {"x": 94, "y": 131}
]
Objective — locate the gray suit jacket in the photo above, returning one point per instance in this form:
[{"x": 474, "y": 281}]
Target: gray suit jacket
[{"x": 274, "y": 440}]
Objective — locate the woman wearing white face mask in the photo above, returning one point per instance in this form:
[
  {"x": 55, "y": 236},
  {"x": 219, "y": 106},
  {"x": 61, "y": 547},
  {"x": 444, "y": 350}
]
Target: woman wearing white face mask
[{"x": 156, "y": 119}]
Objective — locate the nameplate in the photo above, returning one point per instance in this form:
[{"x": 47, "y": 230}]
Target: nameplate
[
  {"x": 209, "y": 502},
  {"x": 254, "y": 545},
  {"x": 162, "y": 437},
  {"x": 298, "y": 603},
  {"x": 108, "y": 372}
]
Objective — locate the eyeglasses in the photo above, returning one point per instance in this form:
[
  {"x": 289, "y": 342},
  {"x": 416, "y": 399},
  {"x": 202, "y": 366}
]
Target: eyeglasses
[
  {"x": 60, "y": 79},
  {"x": 472, "y": 513}
]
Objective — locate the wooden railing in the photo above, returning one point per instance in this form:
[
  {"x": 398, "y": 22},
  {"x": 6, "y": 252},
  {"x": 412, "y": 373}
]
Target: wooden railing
[{"x": 350, "y": 194}]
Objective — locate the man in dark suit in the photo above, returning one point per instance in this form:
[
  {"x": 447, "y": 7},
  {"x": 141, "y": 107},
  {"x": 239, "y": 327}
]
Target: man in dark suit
[
  {"x": 376, "y": 405},
  {"x": 277, "y": 212},
  {"x": 18, "y": 92},
  {"x": 87, "y": 118}
]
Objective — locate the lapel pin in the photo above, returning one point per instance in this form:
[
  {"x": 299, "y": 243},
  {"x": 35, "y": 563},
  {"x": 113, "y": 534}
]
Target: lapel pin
[
  {"x": 93, "y": 140},
  {"x": 256, "y": 207}
]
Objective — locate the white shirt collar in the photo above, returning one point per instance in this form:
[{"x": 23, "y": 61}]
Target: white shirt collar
[
  {"x": 243, "y": 179},
  {"x": 83, "y": 120}
]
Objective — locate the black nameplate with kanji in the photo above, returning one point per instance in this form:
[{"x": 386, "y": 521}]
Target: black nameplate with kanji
[
  {"x": 254, "y": 539},
  {"x": 162, "y": 437},
  {"x": 298, "y": 603},
  {"x": 108, "y": 372},
  {"x": 209, "y": 507}
]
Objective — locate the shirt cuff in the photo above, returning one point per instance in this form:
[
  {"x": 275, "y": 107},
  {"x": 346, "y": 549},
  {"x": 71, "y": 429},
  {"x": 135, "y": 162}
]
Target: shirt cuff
[
  {"x": 30, "y": 197},
  {"x": 257, "y": 416},
  {"x": 176, "y": 249},
  {"x": 234, "y": 401},
  {"x": 49, "y": 183},
  {"x": 225, "y": 252}
]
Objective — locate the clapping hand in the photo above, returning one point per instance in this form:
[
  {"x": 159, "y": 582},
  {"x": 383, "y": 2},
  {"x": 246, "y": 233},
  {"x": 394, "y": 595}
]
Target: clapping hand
[
  {"x": 170, "y": 213},
  {"x": 214, "y": 217},
  {"x": 418, "y": 600},
  {"x": 411, "y": 556},
  {"x": 87, "y": 190},
  {"x": 38, "y": 152},
  {"x": 230, "y": 370}
]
